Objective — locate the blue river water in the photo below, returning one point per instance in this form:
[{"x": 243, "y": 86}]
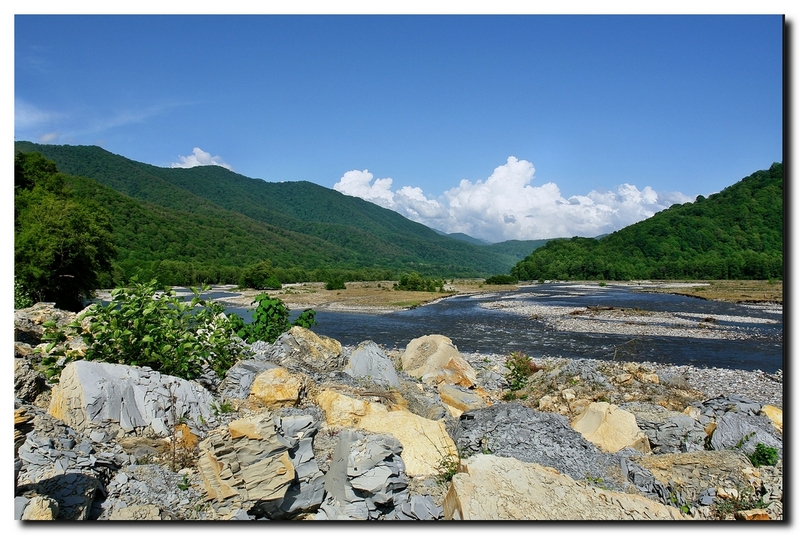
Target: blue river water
[{"x": 476, "y": 329}]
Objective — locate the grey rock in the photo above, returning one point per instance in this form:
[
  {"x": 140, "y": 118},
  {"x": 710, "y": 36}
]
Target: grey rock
[
  {"x": 28, "y": 383},
  {"x": 668, "y": 431},
  {"x": 19, "y": 506},
  {"x": 366, "y": 479},
  {"x": 135, "y": 398},
  {"x": 369, "y": 360},
  {"x": 512, "y": 430},
  {"x": 745, "y": 430},
  {"x": 240, "y": 377}
]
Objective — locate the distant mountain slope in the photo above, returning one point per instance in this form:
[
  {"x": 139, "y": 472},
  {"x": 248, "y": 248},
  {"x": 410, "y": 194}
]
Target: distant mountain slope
[
  {"x": 518, "y": 249},
  {"x": 734, "y": 234},
  {"x": 294, "y": 224}
]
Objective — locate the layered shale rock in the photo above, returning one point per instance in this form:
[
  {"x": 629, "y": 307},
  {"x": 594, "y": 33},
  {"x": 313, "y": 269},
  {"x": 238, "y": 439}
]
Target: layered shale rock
[
  {"x": 512, "y": 430},
  {"x": 134, "y": 398},
  {"x": 367, "y": 481}
]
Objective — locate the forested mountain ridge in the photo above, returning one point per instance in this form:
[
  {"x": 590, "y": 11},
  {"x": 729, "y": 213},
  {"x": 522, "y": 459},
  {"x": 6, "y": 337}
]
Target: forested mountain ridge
[
  {"x": 734, "y": 234},
  {"x": 210, "y": 215}
]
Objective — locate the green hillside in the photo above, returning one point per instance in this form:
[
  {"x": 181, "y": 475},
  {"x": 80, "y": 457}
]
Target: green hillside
[
  {"x": 205, "y": 219},
  {"x": 734, "y": 234}
]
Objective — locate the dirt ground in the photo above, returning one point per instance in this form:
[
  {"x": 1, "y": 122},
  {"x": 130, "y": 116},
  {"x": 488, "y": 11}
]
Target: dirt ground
[
  {"x": 372, "y": 296},
  {"x": 725, "y": 290}
]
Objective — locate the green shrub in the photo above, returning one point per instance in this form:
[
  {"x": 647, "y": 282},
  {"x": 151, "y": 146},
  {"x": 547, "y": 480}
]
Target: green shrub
[
  {"x": 270, "y": 320},
  {"x": 520, "y": 367},
  {"x": 414, "y": 282},
  {"x": 22, "y": 298},
  {"x": 142, "y": 326},
  {"x": 502, "y": 279},
  {"x": 764, "y": 455},
  {"x": 335, "y": 283}
]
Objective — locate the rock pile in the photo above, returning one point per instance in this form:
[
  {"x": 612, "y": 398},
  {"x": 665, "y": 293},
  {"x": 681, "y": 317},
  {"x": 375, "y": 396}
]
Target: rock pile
[{"x": 307, "y": 429}]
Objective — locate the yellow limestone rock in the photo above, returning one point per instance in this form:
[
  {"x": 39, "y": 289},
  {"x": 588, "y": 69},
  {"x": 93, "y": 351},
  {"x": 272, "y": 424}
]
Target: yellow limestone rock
[
  {"x": 610, "y": 428},
  {"x": 435, "y": 359},
  {"x": 276, "y": 388},
  {"x": 40, "y": 508},
  {"x": 425, "y": 442},
  {"x": 775, "y": 415},
  {"x": 488, "y": 487}
]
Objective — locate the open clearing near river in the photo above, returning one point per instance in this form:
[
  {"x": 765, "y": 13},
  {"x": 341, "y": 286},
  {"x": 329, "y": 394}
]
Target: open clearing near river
[{"x": 379, "y": 296}]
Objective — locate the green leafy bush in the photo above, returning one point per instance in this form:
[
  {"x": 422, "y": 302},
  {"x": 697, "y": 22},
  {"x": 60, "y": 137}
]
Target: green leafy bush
[
  {"x": 335, "y": 283},
  {"x": 520, "y": 367},
  {"x": 502, "y": 279},
  {"x": 270, "y": 320},
  {"x": 22, "y": 298},
  {"x": 414, "y": 282},
  {"x": 764, "y": 455},
  {"x": 142, "y": 326}
]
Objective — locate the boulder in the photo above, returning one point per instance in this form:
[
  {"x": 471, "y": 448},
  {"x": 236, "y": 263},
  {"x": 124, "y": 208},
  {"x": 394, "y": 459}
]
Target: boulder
[
  {"x": 488, "y": 487},
  {"x": 424, "y": 442},
  {"x": 742, "y": 430},
  {"x": 28, "y": 321},
  {"x": 239, "y": 378},
  {"x": 246, "y": 462},
  {"x": 775, "y": 415},
  {"x": 135, "y": 398},
  {"x": 610, "y": 428},
  {"x": 61, "y": 464},
  {"x": 365, "y": 476},
  {"x": 435, "y": 359},
  {"x": 303, "y": 350},
  {"x": 459, "y": 399},
  {"x": 668, "y": 431},
  {"x": 276, "y": 387},
  {"x": 28, "y": 383},
  {"x": 40, "y": 508},
  {"x": 513, "y": 430},
  {"x": 308, "y": 487},
  {"x": 369, "y": 360}
]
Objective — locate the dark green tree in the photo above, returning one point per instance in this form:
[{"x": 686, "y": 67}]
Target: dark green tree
[{"x": 62, "y": 245}]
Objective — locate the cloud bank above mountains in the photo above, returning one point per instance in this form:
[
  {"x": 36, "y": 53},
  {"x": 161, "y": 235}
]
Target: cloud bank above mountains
[
  {"x": 507, "y": 207},
  {"x": 200, "y": 157}
]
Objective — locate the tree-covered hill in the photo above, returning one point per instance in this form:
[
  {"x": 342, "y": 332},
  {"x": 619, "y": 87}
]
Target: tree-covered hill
[
  {"x": 212, "y": 216},
  {"x": 734, "y": 234}
]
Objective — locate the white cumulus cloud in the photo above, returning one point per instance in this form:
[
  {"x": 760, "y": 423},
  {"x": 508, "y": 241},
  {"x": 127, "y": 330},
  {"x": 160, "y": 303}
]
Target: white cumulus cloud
[
  {"x": 506, "y": 206},
  {"x": 200, "y": 157}
]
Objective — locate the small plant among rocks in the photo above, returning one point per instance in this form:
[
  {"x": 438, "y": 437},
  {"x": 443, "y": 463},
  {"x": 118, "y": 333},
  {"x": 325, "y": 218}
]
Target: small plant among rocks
[
  {"x": 743, "y": 500},
  {"x": 520, "y": 367},
  {"x": 764, "y": 456}
]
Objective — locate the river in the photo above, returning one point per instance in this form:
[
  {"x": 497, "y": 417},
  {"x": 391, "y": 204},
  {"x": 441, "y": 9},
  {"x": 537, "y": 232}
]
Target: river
[{"x": 474, "y": 328}]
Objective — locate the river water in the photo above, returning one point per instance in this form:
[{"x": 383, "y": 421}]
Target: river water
[{"x": 473, "y": 328}]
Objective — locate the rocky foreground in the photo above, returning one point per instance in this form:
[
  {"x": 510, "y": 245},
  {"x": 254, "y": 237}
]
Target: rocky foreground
[{"x": 305, "y": 429}]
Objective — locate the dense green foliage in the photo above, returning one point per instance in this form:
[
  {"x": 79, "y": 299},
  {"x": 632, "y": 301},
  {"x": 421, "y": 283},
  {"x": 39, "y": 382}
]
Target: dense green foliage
[
  {"x": 63, "y": 243},
  {"x": 207, "y": 224},
  {"x": 146, "y": 326},
  {"x": 734, "y": 234},
  {"x": 270, "y": 320},
  {"x": 501, "y": 279},
  {"x": 414, "y": 282},
  {"x": 764, "y": 456}
]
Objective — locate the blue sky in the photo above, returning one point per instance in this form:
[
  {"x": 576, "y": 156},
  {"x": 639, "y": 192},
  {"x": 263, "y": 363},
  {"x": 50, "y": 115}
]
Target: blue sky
[{"x": 503, "y": 127}]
